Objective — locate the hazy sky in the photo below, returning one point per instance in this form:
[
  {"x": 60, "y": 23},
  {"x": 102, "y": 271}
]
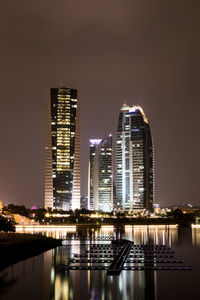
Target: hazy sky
[{"x": 113, "y": 51}]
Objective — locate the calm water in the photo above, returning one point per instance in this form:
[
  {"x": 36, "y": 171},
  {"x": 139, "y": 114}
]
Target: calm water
[{"x": 41, "y": 278}]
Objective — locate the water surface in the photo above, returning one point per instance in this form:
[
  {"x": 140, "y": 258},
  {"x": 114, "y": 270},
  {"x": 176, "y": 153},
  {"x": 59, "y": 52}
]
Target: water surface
[{"x": 42, "y": 278}]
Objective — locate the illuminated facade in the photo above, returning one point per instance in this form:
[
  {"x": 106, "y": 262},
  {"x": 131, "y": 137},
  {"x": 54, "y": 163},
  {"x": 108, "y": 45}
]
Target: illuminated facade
[
  {"x": 94, "y": 143},
  {"x": 134, "y": 158},
  {"x": 100, "y": 181},
  {"x": 62, "y": 171}
]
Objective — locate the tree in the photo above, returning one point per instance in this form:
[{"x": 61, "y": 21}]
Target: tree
[
  {"x": 18, "y": 209},
  {"x": 177, "y": 214},
  {"x": 7, "y": 224},
  {"x": 39, "y": 214}
]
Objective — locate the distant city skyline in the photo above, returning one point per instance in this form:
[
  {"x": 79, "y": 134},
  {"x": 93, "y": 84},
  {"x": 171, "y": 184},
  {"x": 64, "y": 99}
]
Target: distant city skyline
[
  {"x": 112, "y": 52},
  {"x": 134, "y": 159}
]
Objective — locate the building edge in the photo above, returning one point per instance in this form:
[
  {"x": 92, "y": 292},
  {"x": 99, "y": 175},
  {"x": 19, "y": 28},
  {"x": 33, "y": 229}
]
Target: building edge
[
  {"x": 48, "y": 201},
  {"x": 76, "y": 193}
]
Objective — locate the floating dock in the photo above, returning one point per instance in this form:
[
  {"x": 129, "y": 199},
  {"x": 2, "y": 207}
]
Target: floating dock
[{"x": 118, "y": 255}]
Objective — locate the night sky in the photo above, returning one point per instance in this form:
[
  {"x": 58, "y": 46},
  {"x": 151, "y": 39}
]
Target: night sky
[{"x": 113, "y": 51}]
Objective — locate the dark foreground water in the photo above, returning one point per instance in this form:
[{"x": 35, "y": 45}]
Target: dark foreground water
[{"x": 41, "y": 278}]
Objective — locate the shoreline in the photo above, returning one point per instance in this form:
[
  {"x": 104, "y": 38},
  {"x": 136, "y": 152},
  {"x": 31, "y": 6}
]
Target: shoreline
[
  {"x": 74, "y": 226},
  {"x": 15, "y": 247}
]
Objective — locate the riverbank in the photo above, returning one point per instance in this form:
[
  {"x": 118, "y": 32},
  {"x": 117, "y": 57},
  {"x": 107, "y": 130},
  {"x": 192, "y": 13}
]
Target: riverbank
[
  {"x": 15, "y": 247},
  {"x": 98, "y": 222}
]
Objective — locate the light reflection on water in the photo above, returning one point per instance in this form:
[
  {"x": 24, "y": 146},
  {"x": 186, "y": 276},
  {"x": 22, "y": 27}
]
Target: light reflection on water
[
  {"x": 161, "y": 235},
  {"x": 96, "y": 284},
  {"x": 138, "y": 234},
  {"x": 57, "y": 284},
  {"x": 58, "y": 233},
  {"x": 196, "y": 237}
]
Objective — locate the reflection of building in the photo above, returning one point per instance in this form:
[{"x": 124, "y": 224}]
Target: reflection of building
[
  {"x": 100, "y": 182},
  {"x": 76, "y": 284},
  {"x": 149, "y": 276},
  {"x": 196, "y": 236},
  {"x": 158, "y": 234},
  {"x": 62, "y": 172},
  {"x": 59, "y": 284},
  {"x": 135, "y": 171}
]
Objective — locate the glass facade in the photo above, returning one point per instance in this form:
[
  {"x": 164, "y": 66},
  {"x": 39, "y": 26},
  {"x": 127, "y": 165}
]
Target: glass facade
[
  {"x": 63, "y": 144},
  {"x": 134, "y": 159},
  {"x": 94, "y": 143},
  {"x": 100, "y": 181}
]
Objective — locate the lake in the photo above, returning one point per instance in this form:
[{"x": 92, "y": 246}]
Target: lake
[{"x": 42, "y": 278}]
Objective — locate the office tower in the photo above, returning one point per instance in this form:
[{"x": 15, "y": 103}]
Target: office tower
[
  {"x": 134, "y": 157},
  {"x": 84, "y": 202},
  {"x": 100, "y": 181},
  {"x": 94, "y": 143},
  {"x": 62, "y": 153},
  {"x": 114, "y": 197}
]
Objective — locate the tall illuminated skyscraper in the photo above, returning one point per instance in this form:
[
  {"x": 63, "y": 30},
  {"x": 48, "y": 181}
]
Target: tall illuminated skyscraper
[
  {"x": 94, "y": 143},
  {"x": 62, "y": 153},
  {"x": 134, "y": 157},
  {"x": 100, "y": 179}
]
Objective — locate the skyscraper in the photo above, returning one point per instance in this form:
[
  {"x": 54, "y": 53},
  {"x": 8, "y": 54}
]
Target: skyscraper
[
  {"x": 100, "y": 181},
  {"x": 62, "y": 153},
  {"x": 94, "y": 143},
  {"x": 134, "y": 158}
]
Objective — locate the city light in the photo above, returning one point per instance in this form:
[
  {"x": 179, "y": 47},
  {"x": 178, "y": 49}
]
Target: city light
[
  {"x": 95, "y": 141},
  {"x": 49, "y": 227}
]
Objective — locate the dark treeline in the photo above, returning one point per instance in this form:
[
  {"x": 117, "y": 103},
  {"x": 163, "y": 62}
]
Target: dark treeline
[{"x": 7, "y": 224}]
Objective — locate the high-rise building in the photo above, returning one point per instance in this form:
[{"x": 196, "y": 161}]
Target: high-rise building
[
  {"x": 100, "y": 181},
  {"x": 94, "y": 143},
  {"x": 84, "y": 202},
  {"x": 134, "y": 158},
  {"x": 62, "y": 153}
]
